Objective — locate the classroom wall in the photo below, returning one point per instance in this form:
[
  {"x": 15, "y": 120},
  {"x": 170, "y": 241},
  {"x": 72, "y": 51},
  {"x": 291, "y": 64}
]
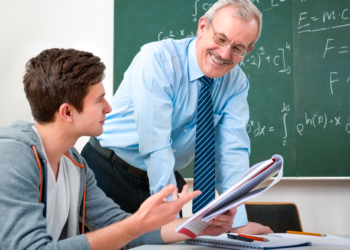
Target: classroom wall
[{"x": 28, "y": 27}]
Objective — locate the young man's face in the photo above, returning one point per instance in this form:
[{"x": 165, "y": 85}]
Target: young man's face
[
  {"x": 90, "y": 121},
  {"x": 214, "y": 60}
]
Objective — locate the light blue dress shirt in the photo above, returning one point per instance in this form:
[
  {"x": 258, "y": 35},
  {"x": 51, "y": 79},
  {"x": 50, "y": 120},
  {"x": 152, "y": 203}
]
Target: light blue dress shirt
[{"x": 152, "y": 125}]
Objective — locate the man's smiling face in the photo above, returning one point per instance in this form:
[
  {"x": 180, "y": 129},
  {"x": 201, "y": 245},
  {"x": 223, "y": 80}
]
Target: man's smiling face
[{"x": 213, "y": 60}]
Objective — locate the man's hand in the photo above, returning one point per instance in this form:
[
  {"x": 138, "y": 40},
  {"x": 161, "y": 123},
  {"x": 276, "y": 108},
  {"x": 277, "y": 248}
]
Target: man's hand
[
  {"x": 221, "y": 223},
  {"x": 252, "y": 228},
  {"x": 156, "y": 211}
]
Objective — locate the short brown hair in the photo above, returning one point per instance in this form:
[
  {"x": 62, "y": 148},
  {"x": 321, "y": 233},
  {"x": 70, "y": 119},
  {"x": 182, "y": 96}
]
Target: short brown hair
[{"x": 58, "y": 76}]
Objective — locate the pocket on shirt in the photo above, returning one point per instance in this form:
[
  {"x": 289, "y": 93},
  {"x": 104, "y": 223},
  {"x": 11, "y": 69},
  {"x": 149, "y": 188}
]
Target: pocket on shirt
[{"x": 216, "y": 119}]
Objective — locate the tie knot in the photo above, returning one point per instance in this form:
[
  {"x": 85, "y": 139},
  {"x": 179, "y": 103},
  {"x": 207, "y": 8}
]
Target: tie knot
[{"x": 206, "y": 80}]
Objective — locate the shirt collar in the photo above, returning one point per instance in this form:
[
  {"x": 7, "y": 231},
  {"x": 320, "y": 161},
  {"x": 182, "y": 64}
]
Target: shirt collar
[{"x": 193, "y": 68}]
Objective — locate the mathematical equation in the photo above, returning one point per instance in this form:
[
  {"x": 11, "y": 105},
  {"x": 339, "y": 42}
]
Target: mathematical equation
[
  {"x": 259, "y": 130},
  {"x": 322, "y": 121},
  {"x": 335, "y": 49},
  {"x": 176, "y": 35},
  {"x": 332, "y": 48},
  {"x": 274, "y": 3},
  {"x": 197, "y": 7},
  {"x": 256, "y": 57},
  {"x": 198, "y": 11},
  {"x": 328, "y": 19},
  {"x": 313, "y": 121}
]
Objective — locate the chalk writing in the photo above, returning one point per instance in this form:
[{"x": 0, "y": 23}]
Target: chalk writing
[
  {"x": 321, "y": 121},
  {"x": 330, "y": 19},
  {"x": 333, "y": 78},
  {"x": 274, "y": 3},
  {"x": 205, "y": 7},
  {"x": 175, "y": 35},
  {"x": 259, "y": 130},
  {"x": 347, "y": 127},
  {"x": 195, "y": 11},
  {"x": 340, "y": 50},
  {"x": 256, "y": 58},
  {"x": 285, "y": 109}
]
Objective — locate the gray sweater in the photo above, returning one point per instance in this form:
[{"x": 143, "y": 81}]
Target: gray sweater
[{"x": 22, "y": 216}]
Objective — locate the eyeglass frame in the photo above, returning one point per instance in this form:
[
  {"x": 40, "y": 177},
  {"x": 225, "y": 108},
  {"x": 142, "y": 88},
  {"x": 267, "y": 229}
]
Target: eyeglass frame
[{"x": 226, "y": 43}]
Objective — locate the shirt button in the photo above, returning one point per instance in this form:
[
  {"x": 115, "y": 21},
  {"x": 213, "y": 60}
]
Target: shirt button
[
  {"x": 174, "y": 150},
  {"x": 185, "y": 130}
]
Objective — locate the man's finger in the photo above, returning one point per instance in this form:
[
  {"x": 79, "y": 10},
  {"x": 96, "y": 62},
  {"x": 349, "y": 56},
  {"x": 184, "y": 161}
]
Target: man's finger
[
  {"x": 187, "y": 197},
  {"x": 184, "y": 190},
  {"x": 224, "y": 217},
  {"x": 233, "y": 211},
  {"x": 225, "y": 226},
  {"x": 175, "y": 194},
  {"x": 164, "y": 193}
]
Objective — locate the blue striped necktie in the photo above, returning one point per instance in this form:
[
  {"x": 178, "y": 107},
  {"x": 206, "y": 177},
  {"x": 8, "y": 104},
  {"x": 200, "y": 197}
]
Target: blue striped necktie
[{"x": 204, "y": 165}]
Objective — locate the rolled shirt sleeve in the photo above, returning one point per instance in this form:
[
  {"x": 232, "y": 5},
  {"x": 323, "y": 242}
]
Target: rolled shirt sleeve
[{"x": 152, "y": 95}]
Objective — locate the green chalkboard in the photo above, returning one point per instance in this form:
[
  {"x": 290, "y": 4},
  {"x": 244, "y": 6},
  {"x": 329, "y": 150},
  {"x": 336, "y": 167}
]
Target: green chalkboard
[
  {"x": 299, "y": 81},
  {"x": 322, "y": 87}
]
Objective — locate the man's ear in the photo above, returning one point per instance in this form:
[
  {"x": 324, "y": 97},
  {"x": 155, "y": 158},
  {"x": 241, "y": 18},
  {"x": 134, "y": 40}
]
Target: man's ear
[
  {"x": 250, "y": 49},
  {"x": 65, "y": 112},
  {"x": 201, "y": 26}
]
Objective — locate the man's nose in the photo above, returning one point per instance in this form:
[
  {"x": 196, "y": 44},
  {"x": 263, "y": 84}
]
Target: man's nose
[
  {"x": 226, "y": 52},
  {"x": 107, "y": 108}
]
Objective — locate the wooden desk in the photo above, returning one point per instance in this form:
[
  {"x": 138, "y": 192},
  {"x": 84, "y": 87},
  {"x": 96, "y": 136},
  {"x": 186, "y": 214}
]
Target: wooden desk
[{"x": 183, "y": 246}]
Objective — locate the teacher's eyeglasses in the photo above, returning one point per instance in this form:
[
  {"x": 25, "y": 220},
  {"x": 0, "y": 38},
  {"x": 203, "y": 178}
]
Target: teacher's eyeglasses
[{"x": 222, "y": 42}]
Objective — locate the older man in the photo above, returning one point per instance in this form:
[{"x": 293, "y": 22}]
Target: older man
[{"x": 182, "y": 99}]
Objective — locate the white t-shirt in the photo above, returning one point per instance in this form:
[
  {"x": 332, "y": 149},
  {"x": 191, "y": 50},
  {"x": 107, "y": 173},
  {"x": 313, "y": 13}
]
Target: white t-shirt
[{"x": 58, "y": 197}]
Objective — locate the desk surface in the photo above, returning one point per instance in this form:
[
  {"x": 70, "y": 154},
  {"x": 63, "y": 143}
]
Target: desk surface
[{"x": 183, "y": 246}]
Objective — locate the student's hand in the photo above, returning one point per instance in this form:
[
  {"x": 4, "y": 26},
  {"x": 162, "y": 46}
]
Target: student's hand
[
  {"x": 156, "y": 211},
  {"x": 252, "y": 228},
  {"x": 221, "y": 223}
]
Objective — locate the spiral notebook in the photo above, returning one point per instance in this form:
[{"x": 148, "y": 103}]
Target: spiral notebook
[
  {"x": 328, "y": 241},
  {"x": 222, "y": 241}
]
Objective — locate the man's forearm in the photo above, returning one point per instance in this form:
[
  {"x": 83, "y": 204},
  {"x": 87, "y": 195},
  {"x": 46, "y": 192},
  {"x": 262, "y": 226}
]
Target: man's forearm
[
  {"x": 168, "y": 233},
  {"x": 160, "y": 165},
  {"x": 115, "y": 236}
]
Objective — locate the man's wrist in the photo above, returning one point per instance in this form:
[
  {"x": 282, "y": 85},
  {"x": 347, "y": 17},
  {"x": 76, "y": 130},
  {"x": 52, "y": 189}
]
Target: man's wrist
[{"x": 136, "y": 225}]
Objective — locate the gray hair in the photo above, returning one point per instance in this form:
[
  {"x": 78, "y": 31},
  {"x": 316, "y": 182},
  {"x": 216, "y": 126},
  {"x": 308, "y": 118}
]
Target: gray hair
[{"x": 245, "y": 10}]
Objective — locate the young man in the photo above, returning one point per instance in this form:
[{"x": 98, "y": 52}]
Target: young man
[
  {"x": 161, "y": 116},
  {"x": 46, "y": 186}
]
